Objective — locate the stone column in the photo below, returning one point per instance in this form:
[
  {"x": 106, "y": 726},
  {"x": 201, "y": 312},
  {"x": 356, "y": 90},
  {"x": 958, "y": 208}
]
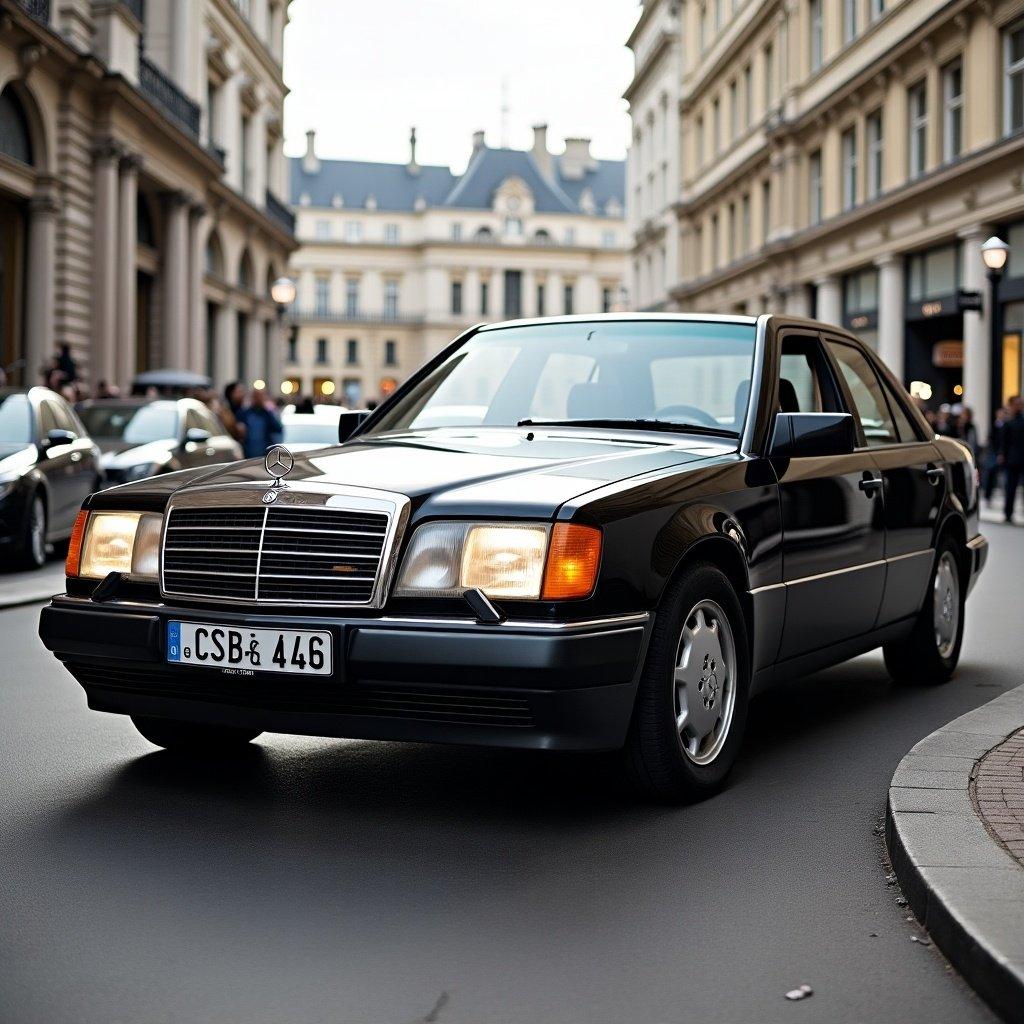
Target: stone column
[
  {"x": 255, "y": 368},
  {"x": 181, "y": 44},
  {"x": 104, "y": 262},
  {"x": 891, "y": 306},
  {"x": 196, "y": 342},
  {"x": 977, "y": 373},
  {"x": 830, "y": 300},
  {"x": 40, "y": 339},
  {"x": 275, "y": 369},
  {"x": 797, "y": 301},
  {"x": 225, "y": 366},
  {"x": 175, "y": 305},
  {"x": 127, "y": 274}
]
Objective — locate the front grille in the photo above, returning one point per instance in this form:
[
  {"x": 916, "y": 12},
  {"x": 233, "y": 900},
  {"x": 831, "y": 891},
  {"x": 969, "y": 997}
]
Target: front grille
[
  {"x": 274, "y": 555},
  {"x": 298, "y": 694}
]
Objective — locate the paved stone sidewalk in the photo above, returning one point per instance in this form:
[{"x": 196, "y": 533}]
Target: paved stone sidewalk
[{"x": 999, "y": 793}]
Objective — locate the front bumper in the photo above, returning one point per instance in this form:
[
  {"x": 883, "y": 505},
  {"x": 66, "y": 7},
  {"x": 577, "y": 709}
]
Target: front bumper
[
  {"x": 531, "y": 685},
  {"x": 977, "y": 550}
]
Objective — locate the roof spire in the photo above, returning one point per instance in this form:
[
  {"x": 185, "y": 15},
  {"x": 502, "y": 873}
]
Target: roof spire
[{"x": 412, "y": 167}]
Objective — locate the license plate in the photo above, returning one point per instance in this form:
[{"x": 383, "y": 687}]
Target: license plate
[{"x": 247, "y": 649}]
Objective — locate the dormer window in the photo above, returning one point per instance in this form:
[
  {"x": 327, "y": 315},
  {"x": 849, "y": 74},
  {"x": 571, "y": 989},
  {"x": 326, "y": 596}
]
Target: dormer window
[{"x": 514, "y": 227}]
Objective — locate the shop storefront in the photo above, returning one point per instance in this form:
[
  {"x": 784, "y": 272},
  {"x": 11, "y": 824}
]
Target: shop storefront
[
  {"x": 1011, "y": 294},
  {"x": 860, "y": 305}
]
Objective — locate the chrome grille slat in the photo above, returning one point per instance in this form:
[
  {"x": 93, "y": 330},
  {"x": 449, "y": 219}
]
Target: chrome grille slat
[{"x": 273, "y": 554}]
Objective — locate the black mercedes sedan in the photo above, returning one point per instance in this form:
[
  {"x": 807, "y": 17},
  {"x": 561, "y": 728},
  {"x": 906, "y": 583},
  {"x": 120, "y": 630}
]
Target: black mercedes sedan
[
  {"x": 585, "y": 533},
  {"x": 48, "y": 466}
]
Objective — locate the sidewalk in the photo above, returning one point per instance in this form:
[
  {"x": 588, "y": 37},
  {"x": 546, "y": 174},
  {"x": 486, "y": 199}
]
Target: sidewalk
[
  {"x": 955, "y": 831},
  {"x": 18, "y": 588}
]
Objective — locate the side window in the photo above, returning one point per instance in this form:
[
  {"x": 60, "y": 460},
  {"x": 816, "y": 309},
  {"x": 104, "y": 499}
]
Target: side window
[
  {"x": 868, "y": 397},
  {"x": 903, "y": 425},
  {"x": 805, "y": 380},
  {"x": 47, "y": 419},
  {"x": 211, "y": 424},
  {"x": 65, "y": 418}
]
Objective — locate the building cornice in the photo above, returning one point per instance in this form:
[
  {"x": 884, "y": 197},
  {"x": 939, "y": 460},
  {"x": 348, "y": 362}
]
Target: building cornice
[
  {"x": 650, "y": 62},
  {"x": 233, "y": 200},
  {"x": 270, "y": 64}
]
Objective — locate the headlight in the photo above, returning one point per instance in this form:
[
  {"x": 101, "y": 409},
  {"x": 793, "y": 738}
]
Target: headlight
[
  {"x": 125, "y": 542},
  {"x": 505, "y": 560}
]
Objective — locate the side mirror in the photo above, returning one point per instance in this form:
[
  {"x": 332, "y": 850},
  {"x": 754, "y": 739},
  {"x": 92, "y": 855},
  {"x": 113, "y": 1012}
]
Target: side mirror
[
  {"x": 196, "y": 435},
  {"x": 58, "y": 437},
  {"x": 350, "y": 422},
  {"x": 801, "y": 435}
]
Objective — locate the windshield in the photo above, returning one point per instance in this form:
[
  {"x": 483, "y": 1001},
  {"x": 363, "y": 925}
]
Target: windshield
[
  {"x": 672, "y": 372},
  {"x": 311, "y": 430},
  {"x": 15, "y": 419},
  {"x": 134, "y": 424}
]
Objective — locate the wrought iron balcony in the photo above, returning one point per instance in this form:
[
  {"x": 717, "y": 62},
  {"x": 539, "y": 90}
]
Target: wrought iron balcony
[
  {"x": 38, "y": 9},
  {"x": 162, "y": 92},
  {"x": 279, "y": 212},
  {"x": 335, "y": 316}
]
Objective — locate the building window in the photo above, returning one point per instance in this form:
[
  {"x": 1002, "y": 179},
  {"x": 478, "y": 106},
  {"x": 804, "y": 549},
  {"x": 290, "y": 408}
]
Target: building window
[
  {"x": 322, "y": 295},
  {"x": 860, "y": 292},
  {"x": 817, "y": 33},
  {"x": 700, "y": 141},
  {"x": 734, "y": 109},
  {"x": 716, "y": 242},
  {"x": 390, "y": 353},
  {"x": 716, "y": 126},
  {"x": 745, "y": 223},
  {"x": 730, "y": 233},
  {"x": 704, "y": 27},
  {"x": 850, "y": 20},
  {"x": 952, "y": 109},
  {"x": 391, "y": 300},
  {"x": 321, "y": 350},
  {"x": 1014, "y": 98},
  {"x": 569, "y": 296},
  {"x": 769, "y": 75},
  {"x": 917, "y": 114},
  {"x": 352, "y": 389},
  {"x": 608, "y": 239},
  {"x": 719, "y": 15},
  {"x": 246, "y": 154},
  {"x": 541, "y": 296},
  {"x": 934, "y": 273},
  {"x": 570, "y": 236},
  {"x": 456, "y": 231},
  {"x": 352, "y": 352},
  {"x": 698, "y": 247},
  {"x": 293, "y": 350},
  {"x": 352, "y": 296},
  {"x": 876, "y": 8},
  {"x": 849, "y": 158},
  {"x": 814, "y": 186},
  {"x": 456, "y": 297},
  {"x": 876, "y": 151},
  {"x": 485, "y": 297},
  {"x": 748, "y": 96},
  {"x": 391, "y": 234},
  {"x": 766, "y": 210},
  {"x": 606, "y": 300},
  {"x": 353, "y": 231},
  {"x": 514, "y": 227},
  {"x": 323, "y": 230}
]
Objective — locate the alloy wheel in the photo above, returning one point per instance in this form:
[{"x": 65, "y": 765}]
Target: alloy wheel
[{"x": 946, "y": 607}]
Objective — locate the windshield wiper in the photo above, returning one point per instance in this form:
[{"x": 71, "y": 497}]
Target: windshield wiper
[{"x": 637, "y": 424}]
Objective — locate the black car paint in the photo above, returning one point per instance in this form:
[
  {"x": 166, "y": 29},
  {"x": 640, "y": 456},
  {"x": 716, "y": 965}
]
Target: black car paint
[
  {"x": 64, "y": 475},
  {"x": 780, "y": 528}
]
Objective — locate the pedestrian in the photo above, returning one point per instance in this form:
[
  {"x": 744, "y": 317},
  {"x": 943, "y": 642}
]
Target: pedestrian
[
  {"x": 66, "y": 364},
  {"x": 1012, "y": 458},
  {"x": 945, "y": 424},
  {"x": 262, "y": 424},
  {"x": 991, "y": 469},
  {"x": 230, "y": 411},
  {"x": 104, "y": 389},
  {"x": 967, "y": 431}
]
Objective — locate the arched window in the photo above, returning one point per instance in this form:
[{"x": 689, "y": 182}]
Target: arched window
[
  {"x": 15, "y": 139},
  {"x": 245, "y": 273},
  {"x": 484, "y": 234},
  {"x": 213, "y": 260},
  {"x": 542, "y": 236},
  {"x": 145, "y": 233},
  {"x": 272, "y": 276}
]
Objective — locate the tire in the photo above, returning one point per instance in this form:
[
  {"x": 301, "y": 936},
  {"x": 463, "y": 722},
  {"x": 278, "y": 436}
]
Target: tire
[
  {"x": 31, "y": 550},
  {"x": 699, "y": 629},
  {"x": 193, "y": 737},
  {"x": 929, "y": 656}
]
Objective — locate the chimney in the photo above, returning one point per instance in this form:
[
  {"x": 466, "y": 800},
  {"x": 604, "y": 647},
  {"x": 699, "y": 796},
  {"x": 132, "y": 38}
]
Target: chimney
[
  {"x": 310, "y": 162},
  {"x": 412, "y": 167},
  {"x": 541, "y": 155},
  {"x": 478, "y": 141},
  {"x": 576, "y": 160}
]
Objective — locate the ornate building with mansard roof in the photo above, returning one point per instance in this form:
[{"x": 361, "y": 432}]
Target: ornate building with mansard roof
[
  {"x": 141, "y": 166},
  {"x": 396, "y": 259},
  {"x": 839, "y": 158}
]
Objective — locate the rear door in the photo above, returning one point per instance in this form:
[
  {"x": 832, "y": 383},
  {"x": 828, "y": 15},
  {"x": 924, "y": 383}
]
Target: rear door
[
  {"x": 832, "y": 517},
  {"x": 914, "y": 480}
]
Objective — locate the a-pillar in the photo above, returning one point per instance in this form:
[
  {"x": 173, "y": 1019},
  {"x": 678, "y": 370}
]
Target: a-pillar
[
  {"x": 891, "y": 306},
  {"x": 42, "y": 258},
  {"x": 830, "y": 300},
  {"x": 977, "y": 354},
  {"x": 104, "y": 261},
  {"x": 127, "y": 272},
  {"x": 176, "y": 304}
]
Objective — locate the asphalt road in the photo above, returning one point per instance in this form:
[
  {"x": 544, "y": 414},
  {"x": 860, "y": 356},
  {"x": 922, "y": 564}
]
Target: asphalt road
[{"x": 361, "y": 883}]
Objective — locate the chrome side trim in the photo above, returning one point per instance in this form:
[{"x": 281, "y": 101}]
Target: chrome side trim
[{"x": 929, "y": 552}]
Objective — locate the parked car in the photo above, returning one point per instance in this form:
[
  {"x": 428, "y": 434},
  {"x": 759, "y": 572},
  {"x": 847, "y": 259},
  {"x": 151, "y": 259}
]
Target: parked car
[
  {"x": 142, "y": 438},
  {"x": 48, "y": 465},
  {"x": 652, "y": 518},
  {"x": 305, "y": 431}
]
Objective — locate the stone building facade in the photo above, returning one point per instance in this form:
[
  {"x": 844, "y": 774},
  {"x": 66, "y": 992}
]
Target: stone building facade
[
  {"x": 397, "y": 259},
  {"x": 141, "y": 163},
  {"x": 838, "y": 158}
]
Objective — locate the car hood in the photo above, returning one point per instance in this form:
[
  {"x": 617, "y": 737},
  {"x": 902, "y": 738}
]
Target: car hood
[
  {"x": 485, "y": 471},
  {"x": 119, "y": 455}
]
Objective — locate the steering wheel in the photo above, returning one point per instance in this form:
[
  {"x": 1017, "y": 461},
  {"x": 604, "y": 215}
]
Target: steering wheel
[{"x": 688, "y": 413}]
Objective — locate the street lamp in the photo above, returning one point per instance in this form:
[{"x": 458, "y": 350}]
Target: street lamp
[
  {"x": 282, "y": 292},
  {"x": 994, "y": 254}
]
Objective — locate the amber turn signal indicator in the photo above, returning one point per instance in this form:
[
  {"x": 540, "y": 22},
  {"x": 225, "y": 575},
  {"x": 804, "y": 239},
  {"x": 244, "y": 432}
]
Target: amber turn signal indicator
[
  {"x": 573, "y": 560},
  {"x": 74, "y": 559}
]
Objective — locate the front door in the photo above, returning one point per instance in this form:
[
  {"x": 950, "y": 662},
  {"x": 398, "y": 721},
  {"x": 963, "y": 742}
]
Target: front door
[
  {"x": 914, "y": 480},
  {"x": 833, "y": 523}
]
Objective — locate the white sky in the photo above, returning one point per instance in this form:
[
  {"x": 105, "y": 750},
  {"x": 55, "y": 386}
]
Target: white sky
[{"x": 362, "y": 73}]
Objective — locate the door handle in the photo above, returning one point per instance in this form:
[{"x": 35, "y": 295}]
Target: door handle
[
  {"x": 870, "y": 484},
  {"x": 935, "y": 474}
]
